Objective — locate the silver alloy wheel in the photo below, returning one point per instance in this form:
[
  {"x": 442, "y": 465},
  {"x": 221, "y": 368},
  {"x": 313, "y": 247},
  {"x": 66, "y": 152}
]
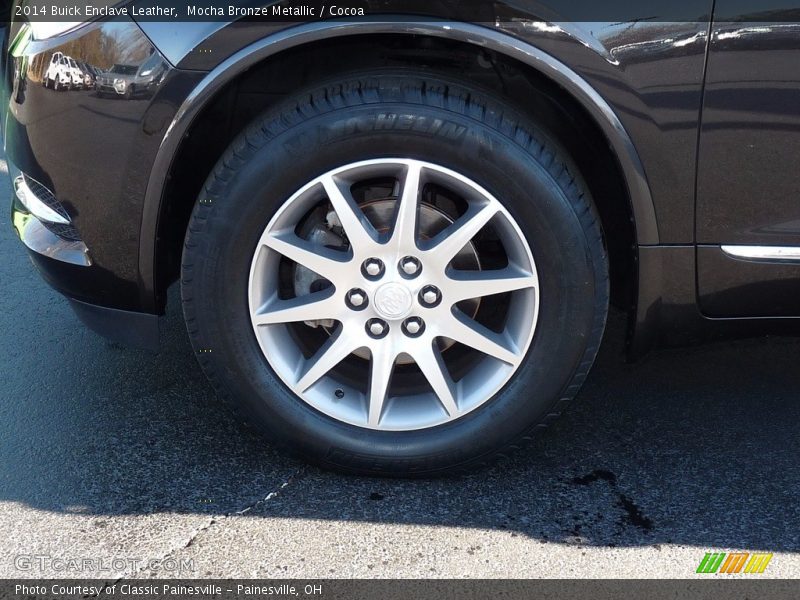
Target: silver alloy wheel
[{"x": 407, "y": 317}]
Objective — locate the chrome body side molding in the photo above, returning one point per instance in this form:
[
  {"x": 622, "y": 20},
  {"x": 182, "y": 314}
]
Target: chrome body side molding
[{"x": 763, "y": 253}]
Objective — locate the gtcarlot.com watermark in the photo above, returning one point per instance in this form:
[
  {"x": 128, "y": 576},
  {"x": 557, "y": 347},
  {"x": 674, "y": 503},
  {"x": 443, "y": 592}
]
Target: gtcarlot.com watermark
[{"x": 85, "y": 564}]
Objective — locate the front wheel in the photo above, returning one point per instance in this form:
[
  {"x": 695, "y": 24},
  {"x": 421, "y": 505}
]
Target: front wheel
[{"x": 396, "y": 275}]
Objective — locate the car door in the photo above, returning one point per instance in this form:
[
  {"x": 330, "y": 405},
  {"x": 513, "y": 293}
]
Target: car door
[{"x": 748, "y": 194}]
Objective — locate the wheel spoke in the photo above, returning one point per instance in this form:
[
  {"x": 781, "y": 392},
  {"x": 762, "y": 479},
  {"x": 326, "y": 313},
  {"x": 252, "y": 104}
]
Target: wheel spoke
[
  {"x": 334, "y": 351},
  {"x": 359, "y": 230},
  {"x": 464, "y": 285},
  {"x": 312, "y": 307},
  {"x": 379, "y": 381},
  {"x": 405, "y": 226},
  {"x": 393, "y": 289},
  {"x": 323, "y": 261},
  {"x": 480, "y": 338},
  {"x": 450, "y": 242},
  {"x": 430, "y": 362}
]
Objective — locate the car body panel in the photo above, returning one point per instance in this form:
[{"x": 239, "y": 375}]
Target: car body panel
[
  {"x": 748, "y": 180},
  {"x": 100, "y": 178},
  {"x": 639, "y": 74}
]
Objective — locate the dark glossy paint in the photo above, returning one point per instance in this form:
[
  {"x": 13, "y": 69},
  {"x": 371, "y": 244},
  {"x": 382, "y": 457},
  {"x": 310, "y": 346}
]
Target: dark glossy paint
[
  {"x": 749, "y": 183},
  {"x": 95, "y": 152},
  {"x": 748, "y": 176},
  {"x": 651, "y": 74},
  {"x": 668, "y": 313},
  {"x": 733, "y": 287}
]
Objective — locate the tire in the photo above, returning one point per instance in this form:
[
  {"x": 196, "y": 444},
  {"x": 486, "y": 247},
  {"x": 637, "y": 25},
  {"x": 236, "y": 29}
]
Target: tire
[{"x": 447, "y": 125}]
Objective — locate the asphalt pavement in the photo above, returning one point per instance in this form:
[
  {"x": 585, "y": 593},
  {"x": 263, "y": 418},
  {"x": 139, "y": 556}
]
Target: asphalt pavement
[{"x": 125, "y": 458}]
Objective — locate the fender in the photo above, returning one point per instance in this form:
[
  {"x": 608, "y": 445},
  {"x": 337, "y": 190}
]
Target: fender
[{"x": 618, "y": 138}]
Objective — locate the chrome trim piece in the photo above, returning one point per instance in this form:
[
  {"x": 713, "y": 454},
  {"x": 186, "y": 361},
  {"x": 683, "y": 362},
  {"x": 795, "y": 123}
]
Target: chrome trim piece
[
  {"x": 758, "y": 253},
  {"x": 41, "y": 240},
  {"x": 31, "y": 218},
  {"x": 31, "y": 201}
]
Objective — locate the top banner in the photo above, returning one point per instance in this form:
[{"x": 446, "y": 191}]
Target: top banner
[
  {"x": 476, "y": 11},
  {"x": 479, "y": 11}
]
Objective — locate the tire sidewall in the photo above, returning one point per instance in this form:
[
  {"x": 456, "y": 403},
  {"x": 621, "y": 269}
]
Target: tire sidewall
[{"x": 237, "y": 209}]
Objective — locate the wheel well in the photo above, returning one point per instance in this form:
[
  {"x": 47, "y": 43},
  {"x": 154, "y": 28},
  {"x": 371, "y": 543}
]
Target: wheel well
[{"x": 269, "y": 82}]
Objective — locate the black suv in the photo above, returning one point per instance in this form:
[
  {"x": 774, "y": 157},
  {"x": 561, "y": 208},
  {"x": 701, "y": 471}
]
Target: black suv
[{"x": 398, "y": 237}]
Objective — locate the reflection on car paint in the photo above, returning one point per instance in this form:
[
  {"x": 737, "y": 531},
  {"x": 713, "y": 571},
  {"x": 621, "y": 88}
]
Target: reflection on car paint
[
  {"x": 40, "y": 134},
  {"x": 102, "y": 62},
  {"x": 128, "y": 81}
]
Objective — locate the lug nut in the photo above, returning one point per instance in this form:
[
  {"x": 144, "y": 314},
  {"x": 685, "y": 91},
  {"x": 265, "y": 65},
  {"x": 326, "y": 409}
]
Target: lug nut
[
  {"x": 413, "y": 327},
  {"x": 410, "y": 266},
  {"x": 377, "y": 328},
  {"x": 373, "y": 268},
  {"x": 356, "y": 299},
  {"x": 430, "y": 296}
]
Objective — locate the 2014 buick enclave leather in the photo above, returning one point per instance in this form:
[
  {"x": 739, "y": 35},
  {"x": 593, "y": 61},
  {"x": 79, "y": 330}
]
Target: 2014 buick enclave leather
[{"x": 398, "y": 237}]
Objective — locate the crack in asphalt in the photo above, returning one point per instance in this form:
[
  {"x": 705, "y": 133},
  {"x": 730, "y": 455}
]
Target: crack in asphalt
[
  {"x": 213, "y": 520},
  {"x": 216, "y": 518},
  {"x": 289, "y": 480}
]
